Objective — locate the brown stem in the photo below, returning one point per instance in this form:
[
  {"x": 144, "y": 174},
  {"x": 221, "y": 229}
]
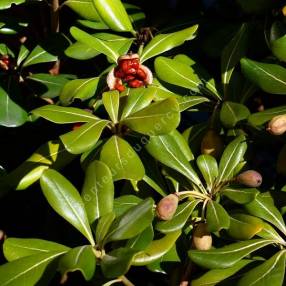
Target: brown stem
[
  {"x": 125, "y": 281},
  {"x": 55, "y": 28}
]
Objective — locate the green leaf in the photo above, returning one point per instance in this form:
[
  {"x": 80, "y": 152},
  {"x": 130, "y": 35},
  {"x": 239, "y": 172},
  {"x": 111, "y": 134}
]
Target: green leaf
[
  {"x": 23, "y": 53},
  {"x": 231, "y": 55},
  {"x": 95, "y": 43},
  {"x": 177, "y": 73},
  {"x": 66, "y": 201},
  {"x": 215, "y": 276},
  {"x": 231, "y": 157},
  {"x": 98, "y": 190},
  {"x": 103, "y": 226},
  {"x": 83, "y": 138},
  {"x": 5, "y": 4},
  {"x": 209, "y": 169},
  {"x": 15, "y": 248},
  {"x": 132, "y": 222},
  {"x": 167, "y": 150},
  {"x": 179, "y": 219},
  {"x": 244, "y": 227},
  {"x": 122, "y": 160},
  {"x": 39, "y": 55},
  {"x": 158, "y": 118},
  {"x": 269, "y": 77},
  {"x": 123, "y": 203},
  {"x": 186, "y": 102},
  {"x": 228, "y": 255},
  {"x": 63, "y": 115},
  {"x": 217, "y": 217},
  {"x": 268, "y": 232},
  {"x": 113, "y": 14},
  {"x": 263, "y": 207},
  {"x": 142, "y": 240},
  {"x": 156, "y": 249},
  {"x": 278, "y": 48},
  {"x": 92, "y": 24},
  {"x": 270, "y": 272},
  {"x": 82, "y": 89},
  {"x": 53, "y": 83},
  {"x": 231, "y": 113},
  {"x": 117, "y": 262},
  {"x": 110, "y": 101},
  {"x": 262, "y": 117},
  {"x": 165, "y": 42},
  {"x": 239, "y": 195},
  {"x": 80, "y": 258},
  {"x": 84, "y": 8},
  {"x": 27, "y": 270},
  {"x": 50, "y": 155},
  {"x": 137, "y": 99},
  {"x": 12, "y": 115}
]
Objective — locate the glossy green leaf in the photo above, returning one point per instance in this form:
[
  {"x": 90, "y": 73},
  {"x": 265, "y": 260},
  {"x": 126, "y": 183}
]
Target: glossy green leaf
[
  {"x": 53, "y": 84},
  {"x": 27, "y": 270},
  {"x": 243, "y": 227},
  {"x": 231, "y": 55},
  {"x": 263, "y": 206},
  {"x": 110, "y": 100},
  {"x": 270, "y": 272},
  {"x": 137, "y": 99},
  {"x": 209, "y": 169},
  {"x": 132, "y": 222},
  {"x": 4, "y": 49},
  {"x": 239, "y": 195},
  {"x": 177, "y": 73},
  {"x": 5, "y": 4},
  {"x": 39, "y": 55},
  {"x": 93, "y": 24},
  {"x": 156, "y": 249},
  {"x": 231, "y": 113},
  {"x": 66, "y": 201},
  {"x": 15, "y": 248},
  {"x": 113, "y": 14},
  {"x": 278, "y": 48},
  {"x": 231, "y": 157},
  {"x": 83, "y": 138},
  {"x": 11, "y": 115},
  {"x": 80, "y": 258},
  {"x": 262, "y": 117},
  {"x": 186, "y": 102},
  {"x": 23, "y": 53},
  {"x": 269, "y": 77},
  {"x": 165, "y": 42},
  {"x": 82, "y": 89},
  {"x": 179, "y": 219},
  {"x": 117, "y": 262},
  {"x": 228, "y": 255},
  {"x": 50, "y": 155},
  {"x": 103, "y": 226},
  {"x": 142, "y": 240},
  {"x": 268, "y": 232},
  {"x": 122, "y": 160},
  {"x": 123, "y": 203},
  {"x": 95, "y": 43},
  {"x": 158, "y": 118},
  {"x": 217, "y": 217},
  {"x": 215, "y": 276},
  {"x": 84, "y": 8},
  {"x": 98, "y": 190},
  {"x": 167, "y": 150},
  {"x": 63, "y": 115}
]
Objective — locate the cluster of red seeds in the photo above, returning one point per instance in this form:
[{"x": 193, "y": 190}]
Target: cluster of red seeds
[
  {"x": 130, "y": 73},
  {"x": 4, "y": 62}
]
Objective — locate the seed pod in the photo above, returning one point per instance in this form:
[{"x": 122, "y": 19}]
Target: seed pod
[
  {"x": 277, "y": 125},
  {"x": 250, "y": 178},
  {"x": 281, "y": 162},
  {"x": 135, "y": 83},
  {"x": 202, "y": 239},
  {"x": 167, "y": 207},
  {"x": 212, "y": 144}
]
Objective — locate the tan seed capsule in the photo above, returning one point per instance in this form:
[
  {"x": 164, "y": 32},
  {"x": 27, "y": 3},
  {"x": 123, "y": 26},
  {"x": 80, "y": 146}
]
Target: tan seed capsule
[
  {"x": 250, "y": 178},
  {"x": 167, "y": 207},
  {"x": 277, "y": 125},
  {"x": 202, "y": 239},
  {"x": 212, "y": 144}
]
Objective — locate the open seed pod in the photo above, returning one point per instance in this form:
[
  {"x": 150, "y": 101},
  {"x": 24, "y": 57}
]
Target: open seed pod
[{"x": 202, "y": 239}]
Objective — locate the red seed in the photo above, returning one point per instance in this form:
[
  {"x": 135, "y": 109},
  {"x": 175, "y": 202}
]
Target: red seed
[
  {"x": 129, "y": 78},
  {"x": 141, "y": 74},
  {"x": 118, "y": 73},
  {"x": 119, "y": 87},
  {"x": 77, "y": 125},
  {"x": 135, "y": 83},
  {"x": 135, "y": 63}
]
